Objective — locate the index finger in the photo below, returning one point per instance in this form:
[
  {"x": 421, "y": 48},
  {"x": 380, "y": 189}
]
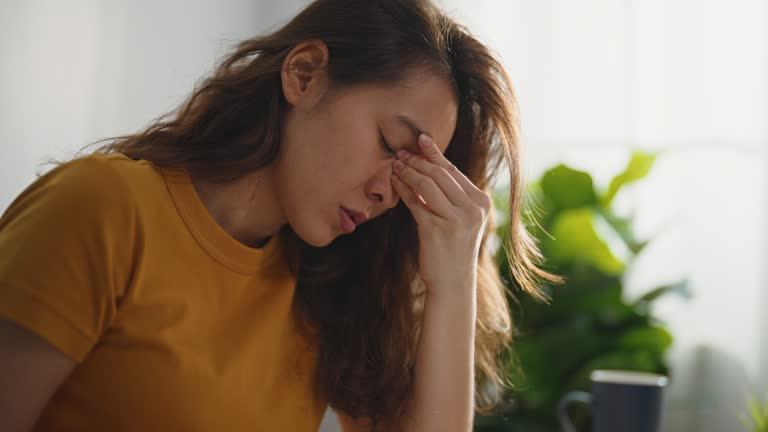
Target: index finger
[{"x": 432, "y": 153}]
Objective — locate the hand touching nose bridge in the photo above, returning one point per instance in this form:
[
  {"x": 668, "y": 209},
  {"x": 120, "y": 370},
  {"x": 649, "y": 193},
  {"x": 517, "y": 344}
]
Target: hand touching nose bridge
[{"x": 450, "y": 212}]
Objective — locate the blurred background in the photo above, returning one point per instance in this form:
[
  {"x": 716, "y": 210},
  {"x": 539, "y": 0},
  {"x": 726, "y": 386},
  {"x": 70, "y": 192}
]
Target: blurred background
[{"x": 680, "y": 84}]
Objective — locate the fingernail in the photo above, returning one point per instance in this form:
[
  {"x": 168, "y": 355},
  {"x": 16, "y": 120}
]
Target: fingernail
[
  {"x": 399, "y": 164},
  {"x": 403, "y": 154},
  {"x": 424, "y": 140}
]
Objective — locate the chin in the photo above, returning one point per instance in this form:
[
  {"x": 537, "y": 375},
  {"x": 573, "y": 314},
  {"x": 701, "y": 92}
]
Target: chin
[
  {"x": 315, "y": 237},
  {"x": 319, "y": 242}
]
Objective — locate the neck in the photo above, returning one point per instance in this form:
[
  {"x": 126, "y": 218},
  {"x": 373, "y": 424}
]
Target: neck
[{"x": 246, "y": 208}]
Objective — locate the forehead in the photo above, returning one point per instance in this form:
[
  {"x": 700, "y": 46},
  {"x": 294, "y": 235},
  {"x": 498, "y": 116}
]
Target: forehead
[{"x": 420, "y": 102}]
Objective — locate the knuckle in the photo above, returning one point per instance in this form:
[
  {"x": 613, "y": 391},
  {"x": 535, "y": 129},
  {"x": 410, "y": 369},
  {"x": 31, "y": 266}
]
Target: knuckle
[
  {"x": 443, "y": 172},
  {"x": 475, "y": 215},
  {"x": 432, "y": 169},
  {"x": 486, "y": 202},
  {"x": 478, "y": 214},
  {"x": 422, "y": 182}
]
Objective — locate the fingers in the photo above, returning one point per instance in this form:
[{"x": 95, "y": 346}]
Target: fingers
[
  {"x": 450, "y": 187},
  {"x": 421, "y": 212},
  {"x": 426, "y": 187},
  {"x": 447, "y": 192},
  {"x": 432, "y": 153}
]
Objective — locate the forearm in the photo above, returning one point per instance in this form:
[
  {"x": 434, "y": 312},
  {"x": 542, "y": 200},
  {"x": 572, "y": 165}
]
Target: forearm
[{"x": 443, "y": 398}]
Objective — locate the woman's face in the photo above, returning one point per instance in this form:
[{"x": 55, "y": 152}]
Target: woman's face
[{"x": 332, "y": 153}]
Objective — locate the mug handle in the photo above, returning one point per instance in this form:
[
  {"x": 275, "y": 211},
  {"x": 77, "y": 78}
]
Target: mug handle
[{"x": 562, "y": 413}]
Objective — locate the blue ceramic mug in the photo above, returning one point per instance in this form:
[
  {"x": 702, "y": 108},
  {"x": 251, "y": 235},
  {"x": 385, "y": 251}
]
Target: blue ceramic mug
[{"x": 620, "y": 400}]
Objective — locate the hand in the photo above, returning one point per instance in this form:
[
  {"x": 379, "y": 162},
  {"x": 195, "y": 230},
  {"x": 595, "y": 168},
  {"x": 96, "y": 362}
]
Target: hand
[{"x": 450, "y": 212}]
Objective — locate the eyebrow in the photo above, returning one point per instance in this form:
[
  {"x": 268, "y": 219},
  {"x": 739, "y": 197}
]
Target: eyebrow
[{"x": 410, "y": 124}]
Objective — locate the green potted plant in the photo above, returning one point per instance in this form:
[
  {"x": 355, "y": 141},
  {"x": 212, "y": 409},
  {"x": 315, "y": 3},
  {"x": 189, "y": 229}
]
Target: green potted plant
[
  {"x": 588, "y": 324},
  {"x": 756, "y": 417}
]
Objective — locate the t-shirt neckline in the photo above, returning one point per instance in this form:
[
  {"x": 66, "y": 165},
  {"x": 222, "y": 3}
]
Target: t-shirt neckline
[{"x": 218, "y": 243}]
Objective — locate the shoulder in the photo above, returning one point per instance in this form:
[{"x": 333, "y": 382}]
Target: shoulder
[
  {"x": 107, "y": 181},
  {"x": 95, "y": 175},
  {"x": 78, "y": 192}
]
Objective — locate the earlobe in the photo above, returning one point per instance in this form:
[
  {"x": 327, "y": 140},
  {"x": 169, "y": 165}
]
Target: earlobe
[{"x": 303, "y": 75}]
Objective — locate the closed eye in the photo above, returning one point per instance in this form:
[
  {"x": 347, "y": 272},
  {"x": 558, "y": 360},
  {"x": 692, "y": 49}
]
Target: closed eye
[{"x": 384, "y": 144}]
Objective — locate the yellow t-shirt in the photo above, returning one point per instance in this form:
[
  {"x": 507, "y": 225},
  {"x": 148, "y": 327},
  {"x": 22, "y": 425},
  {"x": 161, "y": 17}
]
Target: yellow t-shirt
[{"x": 175, "y": 325}]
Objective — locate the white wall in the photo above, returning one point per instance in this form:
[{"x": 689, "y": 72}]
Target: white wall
[
  {"x": 594, "y": 78},
  {"x": 77, "y": 71}
]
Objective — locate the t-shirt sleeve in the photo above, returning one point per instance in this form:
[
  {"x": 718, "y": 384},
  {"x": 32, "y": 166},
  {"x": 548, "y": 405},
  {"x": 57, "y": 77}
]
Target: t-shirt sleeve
[{"x": 66, "y": 244}]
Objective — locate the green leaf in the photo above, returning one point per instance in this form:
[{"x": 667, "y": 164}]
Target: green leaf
[
  {"x": 639, "y": 166},
  {"x": 754, "y": 412},
  {"x": 681, "y": 288},
  {"x": 654, "y": 340},
  {"x": 568, "y": 188},
  {"x": 501, "y": 203},
  {"x": 758, "y": 415},
  {"x": 546, "y": 359},
  {"x": 587, "y": 292},
  {"x": 576, "y": 238},
  {"x": 623, "y": 226}
]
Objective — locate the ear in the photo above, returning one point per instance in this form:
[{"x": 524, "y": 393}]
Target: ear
[{"x": 304, "y": 74}]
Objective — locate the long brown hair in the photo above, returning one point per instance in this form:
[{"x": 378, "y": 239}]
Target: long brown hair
[{"x": 361, "y": 293}]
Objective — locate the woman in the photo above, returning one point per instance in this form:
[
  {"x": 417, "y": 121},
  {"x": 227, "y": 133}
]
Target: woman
[{"x": 309, "y": 228}]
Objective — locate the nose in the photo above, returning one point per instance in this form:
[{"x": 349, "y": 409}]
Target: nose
[{"x": 381, "y": 190}]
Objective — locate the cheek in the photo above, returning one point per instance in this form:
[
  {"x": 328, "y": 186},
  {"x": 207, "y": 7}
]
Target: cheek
[
  {"x": 331, "y": 155},
  {"x": 308, "y": 179},
  {"x": 340, "y": 163}
]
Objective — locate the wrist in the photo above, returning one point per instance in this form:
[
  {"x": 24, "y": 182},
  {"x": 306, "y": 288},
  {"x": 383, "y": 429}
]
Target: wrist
[{"x": 453, "y": 293}]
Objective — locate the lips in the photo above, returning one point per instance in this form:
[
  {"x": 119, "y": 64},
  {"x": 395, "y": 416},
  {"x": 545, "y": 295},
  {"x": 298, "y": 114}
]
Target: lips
[
  {"x": 346, "y": 222},
  {"x": 356, "y": 216}
]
